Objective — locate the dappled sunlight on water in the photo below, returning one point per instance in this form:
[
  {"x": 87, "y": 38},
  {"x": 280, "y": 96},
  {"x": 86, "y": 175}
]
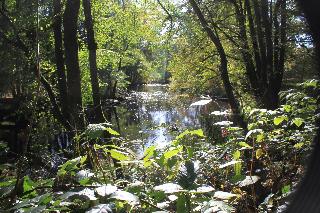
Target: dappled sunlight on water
[{"x": 154, "y": 116}]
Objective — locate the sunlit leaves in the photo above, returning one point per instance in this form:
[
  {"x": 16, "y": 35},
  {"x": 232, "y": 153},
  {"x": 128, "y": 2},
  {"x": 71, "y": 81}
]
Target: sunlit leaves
[
  {"x": 298, "y": 121},
  {"x": 278, "y": 120},
  {"x": 118, "y": 155},
  {"x": 259, "y": 153}
]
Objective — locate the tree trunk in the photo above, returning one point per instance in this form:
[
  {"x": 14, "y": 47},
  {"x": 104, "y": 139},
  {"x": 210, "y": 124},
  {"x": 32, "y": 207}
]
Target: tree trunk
[
  {"x": 235, "y": 106},
  {"x": 70, "y": 25},
  {"x": 245, "y": 51},
  {"x": 92, "y": 46},
  {"x": 62, "y": 81}
]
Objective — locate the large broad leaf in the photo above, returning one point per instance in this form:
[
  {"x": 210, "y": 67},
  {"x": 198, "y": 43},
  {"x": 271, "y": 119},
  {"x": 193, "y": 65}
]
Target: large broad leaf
[
  {"x": 217, "y": 206},
  {"x": 259, "y": 153},
  {"x": 147, "y": 155},
  {"x": 106, "y": 190},
  {"x": 249, "y": 180},
  {"x": 121, "y": 156},
  {"x": 173, "y": 152},
  {"x": 71, "y": 165},
  {"x": 95, "y": 131},
  {"x": 224, "y": 195},
  {"x": 168, "y": 188},
  {"x": 106, "y": 208},
  {"x": 28, "y": 185},
  {"x": 203, "y": 189},
  {"x": 278, "y": 120},
  {"x": 198, "y": 132},
  {"x": 298, "y": 121},
  {"x": 86, "y": 193},
  {"x": 125, "y": 196}
]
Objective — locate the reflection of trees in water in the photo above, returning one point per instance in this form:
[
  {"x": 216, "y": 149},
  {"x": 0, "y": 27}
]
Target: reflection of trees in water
[{"x": 154, "y": 112}]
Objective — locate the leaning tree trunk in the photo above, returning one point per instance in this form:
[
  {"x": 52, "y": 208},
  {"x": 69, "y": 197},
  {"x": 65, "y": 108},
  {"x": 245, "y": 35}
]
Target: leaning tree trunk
[
  {"x": 62, "y": 81},
  {"x": 70, "y": 25},
  {"x": 235, "y": 106},
  {"x": 92, "y": 46}
]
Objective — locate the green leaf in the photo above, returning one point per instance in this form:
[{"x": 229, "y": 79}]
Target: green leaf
[
  {"x": 287, "y": 108},
  {"x": 298, "y": 121},
  {"x": 149, "y": 152},
  {"x": 260, "y": 137},
  {"x": 125, "y": 196},
  {"x": 259, "y": 153},
  {"x": 182, "y": 204},
  {"x": 173, "y": 152},
  {"x": 237, "y": 169},
  {"x": 70, "y": 165},
  {"x": 278, "y": 120},
  {"x": 111, "y": 131},
  {"x": 244, "y": 144},
  {"x": 236, "y": 155},
  {"x": 285, "y": 189},
  {"x": 253, "y": 132},
  {"x": 115, "y": 154},
  {"x": 28, "y": 185},
  {"x": 95, "y": 131},
  {"x": 298, "y": 145},
  {"x": 197, "y": 132}
]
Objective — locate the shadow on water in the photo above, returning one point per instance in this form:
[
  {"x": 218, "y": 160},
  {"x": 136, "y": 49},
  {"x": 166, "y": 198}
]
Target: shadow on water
[{"x": 152, "y": 115}]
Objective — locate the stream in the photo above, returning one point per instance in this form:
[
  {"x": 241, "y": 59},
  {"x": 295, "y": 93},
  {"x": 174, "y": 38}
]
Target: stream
[{"x": 152, "y": 115}]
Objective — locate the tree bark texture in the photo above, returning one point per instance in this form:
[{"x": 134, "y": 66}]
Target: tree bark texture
[
  {"x": 92, "y": 46},
  {"x": 70, "y": 25},
  {"x": 62, "y": 81}
]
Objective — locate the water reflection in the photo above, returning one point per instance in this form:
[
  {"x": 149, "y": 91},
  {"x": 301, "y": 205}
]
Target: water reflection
[{"x": 152, "y": 115}]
